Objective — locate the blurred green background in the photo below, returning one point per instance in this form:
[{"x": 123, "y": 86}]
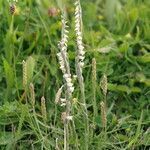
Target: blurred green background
[{"x": 116, "y": 33}]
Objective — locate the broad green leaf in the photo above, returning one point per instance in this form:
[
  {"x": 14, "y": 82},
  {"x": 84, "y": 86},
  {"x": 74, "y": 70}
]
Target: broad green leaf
[{"x": 9, "y": 74}]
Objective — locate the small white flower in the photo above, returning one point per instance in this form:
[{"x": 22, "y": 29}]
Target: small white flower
[
  {"x": 81, "y": 64},
  {"x": 62, "y": 100},
  {"x": 68, "y": 79},
  {"x": 66, "y": 75},
  {"x": 66, "y": 31},
  {"x": 81, "y": 57},
  {"x": 69, "y": 84},
  {"x": 69, "y": 117},
  {"x": 81, "y": 47},
  {"x": 63, "y": 104},
  {"x": 82, "y": 53},
  {"x": 74, "y": 76},
  {"x": 71, "y": 89},
  {"x": 62, "y": 67}
]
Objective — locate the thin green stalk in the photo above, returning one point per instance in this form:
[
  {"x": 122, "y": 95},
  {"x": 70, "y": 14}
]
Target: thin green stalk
[
  {"x": 82, "y": 90},
  {"x": 76, "y": 136}
]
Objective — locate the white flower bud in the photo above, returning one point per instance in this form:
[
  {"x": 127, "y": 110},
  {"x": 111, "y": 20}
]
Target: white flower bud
[
  {"x": 62, "y": 100},
  {"x": 69, "y": 117},
  {"x": 63, "y": 104},
  {"x": 81, "y": 64},
  {"x": 71, "y": 89}
]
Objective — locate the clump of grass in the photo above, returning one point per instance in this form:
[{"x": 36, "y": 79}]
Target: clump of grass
[{"x": 40, "y": 123}]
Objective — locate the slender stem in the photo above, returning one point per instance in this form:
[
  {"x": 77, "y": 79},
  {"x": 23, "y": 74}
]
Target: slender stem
[
  {"x": 82, "y": 89},
  {"x": 65, "y": 136},
  {"x": 66, "y": 124}
]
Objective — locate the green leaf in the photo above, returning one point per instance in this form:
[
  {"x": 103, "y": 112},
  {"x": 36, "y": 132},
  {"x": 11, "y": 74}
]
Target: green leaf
[
  {"x": 9, "y": 74},
  {"x": 123, "y": 88},
  {"x": 30, "y": 64},
  {"x": 144, "y": 59}
]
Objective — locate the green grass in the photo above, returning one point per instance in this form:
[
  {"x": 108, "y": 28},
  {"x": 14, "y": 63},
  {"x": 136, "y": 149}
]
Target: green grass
[{"x": 115, "y": 33}]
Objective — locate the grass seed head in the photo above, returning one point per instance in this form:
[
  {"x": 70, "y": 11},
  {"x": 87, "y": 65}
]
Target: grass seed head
[
  {"x": 94, "y": 69},
  {"x": 103, "y": 114},
  {"x": 14, "y": 10},
  {"x": 58, "y": 95},
  {"x": 24, "y": 74},
  {"x": 103, "y": 84},
  {"x": 32, "y": 93},
  {"x": 43, "y": 108}
]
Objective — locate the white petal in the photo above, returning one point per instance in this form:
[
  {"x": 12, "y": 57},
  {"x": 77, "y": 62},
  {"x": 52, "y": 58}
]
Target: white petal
[
  {"x": 69, "y": 117},
  {"x": 71, "y": 89},
  {"x": 63, "y": 104},
  {"x": 81, "y": 64},
  {"x": 68, "y": 80},
  {"x": 81, "y": 57},
  {"x": 66, "y": 75},
  {"x": 81, "y": 52},
  {"x": 63, "y": 100},
  {"x": 70, "y": 84}
]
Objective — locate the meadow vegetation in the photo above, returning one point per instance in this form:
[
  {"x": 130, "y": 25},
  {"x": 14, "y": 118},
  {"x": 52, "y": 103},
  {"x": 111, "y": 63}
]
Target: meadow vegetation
[{"x": 75, "y": 75}]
